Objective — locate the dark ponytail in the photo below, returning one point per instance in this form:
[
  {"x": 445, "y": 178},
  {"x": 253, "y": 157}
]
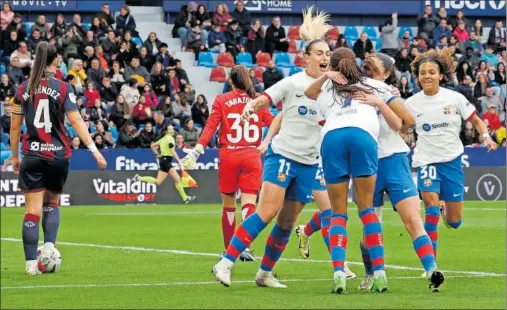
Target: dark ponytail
[
  {"x": 45, "y": 54},
  {"x": 387, "y": 62},
  {"x": 240, "y": 79}
]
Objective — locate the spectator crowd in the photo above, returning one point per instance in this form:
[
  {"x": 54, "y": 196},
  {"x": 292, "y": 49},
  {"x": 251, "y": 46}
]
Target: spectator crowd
[{"x": 129, "y": 91}]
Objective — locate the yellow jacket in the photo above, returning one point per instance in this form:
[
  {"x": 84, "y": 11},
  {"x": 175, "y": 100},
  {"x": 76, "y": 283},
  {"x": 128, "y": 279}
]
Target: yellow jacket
[{"x": 81, "y": 75}]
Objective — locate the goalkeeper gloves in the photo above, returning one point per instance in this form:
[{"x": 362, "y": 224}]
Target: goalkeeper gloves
[{"x": 190, "y": 160}]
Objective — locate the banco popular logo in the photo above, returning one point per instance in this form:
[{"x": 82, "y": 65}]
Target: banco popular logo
[{"x": 489, "y": 187}]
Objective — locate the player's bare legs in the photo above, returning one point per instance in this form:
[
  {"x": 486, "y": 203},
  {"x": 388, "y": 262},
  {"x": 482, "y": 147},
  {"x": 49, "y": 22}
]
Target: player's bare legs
[
  {"x": 453, "y": 214},
  {"x": 277, "y": 242},
  {"x": 270, "y": 203},
  {"x": 30, "y": 229},
  {"x": 161, "y": 177}
]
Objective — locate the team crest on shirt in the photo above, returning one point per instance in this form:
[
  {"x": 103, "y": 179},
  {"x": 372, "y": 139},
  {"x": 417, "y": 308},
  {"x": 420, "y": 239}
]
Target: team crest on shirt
[
  {"x": 448, "y": 110},
  {"x": 281, "y": 177},
  {"x": 427, "y": 182}
]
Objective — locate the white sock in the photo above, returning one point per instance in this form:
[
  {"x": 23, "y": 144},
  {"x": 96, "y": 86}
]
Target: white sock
[
  {"x": 227, "y": 262},
  {"x": 378, "y": 273},
  {"x": 31, "y": 264},
  {"x": 49, "y": 245},
  {"x": 340, "y": 273},
  {"x": 262, "y": 273}
]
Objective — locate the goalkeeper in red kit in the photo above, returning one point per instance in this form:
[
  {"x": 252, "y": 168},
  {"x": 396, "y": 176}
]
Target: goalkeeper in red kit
[{"x": 240, "y": 164}]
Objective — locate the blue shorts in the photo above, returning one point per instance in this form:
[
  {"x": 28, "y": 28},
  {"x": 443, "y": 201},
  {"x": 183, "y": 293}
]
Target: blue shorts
[
  {"x": 394, "y": 178},
  {"x": 295, "y": 177},
  {"x": 320, "y": 183},
  {"x": 446, "y": 179},
  {"x": 348, "y": 152}
]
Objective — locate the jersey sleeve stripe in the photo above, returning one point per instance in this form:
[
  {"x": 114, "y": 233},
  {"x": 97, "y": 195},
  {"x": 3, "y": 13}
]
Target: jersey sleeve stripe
[
  {"x": 471, "y": 115},
  {"x": 391, "y": 99},
  {"x": 269, "y": 97}
]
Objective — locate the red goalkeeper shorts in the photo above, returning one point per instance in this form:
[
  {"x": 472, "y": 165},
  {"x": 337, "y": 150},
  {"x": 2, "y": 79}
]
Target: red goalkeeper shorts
[{"x": 239, "y": 169}]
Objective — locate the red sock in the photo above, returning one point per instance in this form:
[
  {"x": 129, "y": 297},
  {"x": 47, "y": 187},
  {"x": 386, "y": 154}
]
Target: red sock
[
  {"x": 228, "y": 224},
  {"x": 247, "y": 210}
]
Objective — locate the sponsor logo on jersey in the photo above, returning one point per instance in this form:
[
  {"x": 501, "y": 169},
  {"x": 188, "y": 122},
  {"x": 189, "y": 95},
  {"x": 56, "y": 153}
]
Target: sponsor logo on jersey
[
  {"x": 427, "y": 127},
  {"x": 302, "y": 110},
  {"x": 427, "y": 182},
  {"x": 44, "y": 147},
  {"x": 125, "y": 191}
]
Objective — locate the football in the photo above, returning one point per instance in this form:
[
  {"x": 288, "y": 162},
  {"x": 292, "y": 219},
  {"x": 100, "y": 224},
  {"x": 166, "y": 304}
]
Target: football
[{"x": 48, "y": 261}]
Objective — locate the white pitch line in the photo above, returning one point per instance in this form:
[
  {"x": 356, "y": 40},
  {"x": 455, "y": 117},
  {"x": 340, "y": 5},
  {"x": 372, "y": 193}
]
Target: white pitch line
[
  {"x": 57, "y": 286},
  {"x": 185, "y": 252},
  {"x": 219, "y": 212}
]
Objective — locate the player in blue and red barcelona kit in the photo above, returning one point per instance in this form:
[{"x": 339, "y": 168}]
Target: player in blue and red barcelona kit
[
  {"x": 291, "y": 161},
  {"x": 439, "y": 113},
  {"x": 240, "y": 165},
  {"x": 43, "y": 102}
]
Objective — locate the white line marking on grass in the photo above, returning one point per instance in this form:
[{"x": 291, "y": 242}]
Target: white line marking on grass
[
  {"x": 57, "y": 286},
  {"x": 185, "y": 252},
  {"x": 219, "y": 212}
]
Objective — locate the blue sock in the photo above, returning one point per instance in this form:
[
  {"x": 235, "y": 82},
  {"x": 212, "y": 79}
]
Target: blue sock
[
  {"x": 424, "y": 250},
  {"x": 30, "y": 233},
  {"x": 325, "y": 222},
  {"x": 50, "y": 221},
  {"x": 368, "y": 268},
  {"x": 338, "y": 240},
  {"x": 275, "y": 245},
  {"x": 244, "y": 236},
  {"x": 454, "y": 225},
  {"x": 431, "y": 218}
]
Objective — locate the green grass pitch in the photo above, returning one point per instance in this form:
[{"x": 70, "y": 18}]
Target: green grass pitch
[{"x": 161, "y": 257}]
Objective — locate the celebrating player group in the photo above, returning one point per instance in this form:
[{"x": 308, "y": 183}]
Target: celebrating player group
[
  {"x": 340, "y": 123},
  {"x": 348, "y": 119}
]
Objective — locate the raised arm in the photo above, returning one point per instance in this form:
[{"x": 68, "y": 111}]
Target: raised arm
[{"x": 276, "y": 124}]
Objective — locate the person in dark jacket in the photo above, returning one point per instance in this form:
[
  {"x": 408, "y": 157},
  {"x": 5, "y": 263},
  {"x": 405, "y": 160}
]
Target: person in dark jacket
[
  {"x": 184, "y": 20},
  {"x": 128, "y": 137},
  {"x": 95, "y": 73},
  {"x": 180, "y": 72},
  {"x": 256, "y": 42},
  {"x": 33, "y": 40},
  {"x": 16, "y": 75},
  {"x": 195, "y": 41},
  {"x": 362, "y": 46},
  {"x": 217, "y": 40},
  {"x": 59, "y": 28},
  {"x": 77, "y": 29},
  {"x": 152, "y": 44},
  {"x": 465, "y": 88},
  {"x": 203, "y": 18},
  {"x": 190, "y": 133},
  {"x": 125, "y": 21},
  {"x": 403, "y": 61},
  {"x": 147, "y": 135},
  {"x": 108, "y": 91},
  {"x": 243, "y": 17},
  {"x": 164, "y": 57},
  {"x": 497, "y": 36},
  {"x": 234, "y": 39},
  {"x": 106, "y": 16},
  {"x": 17, "y": 25},
  {"x": 109, "y": 45},
  {"x": 271, "y": 75},
  {"x": 159, "y": 80},
  {"x": 426, "y": 23},
  {"x": 145, "y": 59},
  {"x": 99, "y": 29},
  {"x": 9, "y": 46},
  {"x": 276, "y": 39},
  {"x": 200, "y": 111},
  {"x": 120, "y": 112}
]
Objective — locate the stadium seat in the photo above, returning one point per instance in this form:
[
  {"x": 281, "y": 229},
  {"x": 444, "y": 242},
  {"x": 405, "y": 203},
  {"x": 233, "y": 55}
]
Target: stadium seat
[
  {"x": 378, "y": 46},
  {"x": 2, "y": 69},
  {"x": 406, "y": 28},
  {"x": 5, "y": 138},
  {"x": 142, "y": 126},
  {"x": 206, "y": 60},
  {"x": 27, "y": 29},
  {"x": 351, "y": 33},
  {"x": 263, "y": 59},
  {"x": 333, "y": 33},
  {"x": 218, "y": 74},
  {"x": 4, "y": 147},
  {"x": 350, "y": 42},
  {"x": 299, "y": 61},
  {"x": 295, "y": 70},
  {"x": 92, "y": 128},
  {"x": 245, "y": 59},
  {"x": 4, "y": 155},
  {"x": 258, "y": 74},
  {"x": 292, "y": 46},
  {"x": 138, "y": 42},
  {"x": 302, "y": 44},
  {"x": 23, "y": 127},
  {"x": 294, "y": 33},
  {"x": 1, "y": 53},
  {"x": 371, "y": 32},
  {"x": 283, "y": 60},
  {"x": 87, "y": 26},
  {"x": 225, "y": 60}
]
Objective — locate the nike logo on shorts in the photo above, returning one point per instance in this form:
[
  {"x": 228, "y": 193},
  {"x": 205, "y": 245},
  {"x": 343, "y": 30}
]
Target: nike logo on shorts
[
  {"x": 309, "y": 196},
  {"x": 455, "y": 195},
  {"x": 406, "y": 190}
]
